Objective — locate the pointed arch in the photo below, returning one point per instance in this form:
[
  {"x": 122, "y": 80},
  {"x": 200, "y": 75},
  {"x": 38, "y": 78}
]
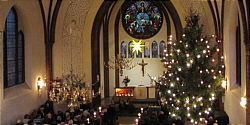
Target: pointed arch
[
  {"x": 147, "y": 50},
  {"x": 130, "y": 52},
  {"x": 162, "y": 47},
  {"x": 124, "y": 49},
  {"x": 13, "y": 51},
  {"x": 154, "y": 49}
]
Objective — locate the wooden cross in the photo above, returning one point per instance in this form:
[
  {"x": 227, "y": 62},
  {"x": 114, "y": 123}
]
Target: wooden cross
[{"x": 142, "y": 66}]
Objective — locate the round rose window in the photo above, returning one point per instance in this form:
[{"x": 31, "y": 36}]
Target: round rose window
[{"x": 142, "y": 20}]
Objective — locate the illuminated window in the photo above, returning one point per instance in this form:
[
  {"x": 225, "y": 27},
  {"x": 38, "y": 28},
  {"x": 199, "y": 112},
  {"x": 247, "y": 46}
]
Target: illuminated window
[
  {"x": 162, "y": 48},
  {"x": 147, "y": 50},
  {"x": 124, "y": 49},
  {"x": 142, "y": 19},
  {"x": 154, "y": 50},
  {"x": 130, "y": 52}
]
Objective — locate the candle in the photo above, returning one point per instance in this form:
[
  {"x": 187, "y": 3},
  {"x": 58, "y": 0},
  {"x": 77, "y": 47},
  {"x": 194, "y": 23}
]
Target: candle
[
  {"x": 136, "y": 121},
  {"x": 141, "y": 110},
  {"x": 139, "y": 115},
  {"x": 88, "y": 120},
  {"x": 100, "y": 109},
  {"x": 94, "y": 114}
]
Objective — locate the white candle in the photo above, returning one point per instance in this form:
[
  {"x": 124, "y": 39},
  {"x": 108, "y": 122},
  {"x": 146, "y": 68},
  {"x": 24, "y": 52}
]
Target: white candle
[
  {"x": 141, "y": 110},
  {"x": 94, "y": 114},
  {"x": 100, "y": 109}
]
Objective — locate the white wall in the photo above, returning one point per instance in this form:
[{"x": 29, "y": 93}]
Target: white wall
[
  {"x": 233, "y": 92},
  {"x": 22, "y": 99}
]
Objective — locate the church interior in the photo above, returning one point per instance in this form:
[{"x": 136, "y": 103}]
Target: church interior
[{"x": 85, "y": 53}]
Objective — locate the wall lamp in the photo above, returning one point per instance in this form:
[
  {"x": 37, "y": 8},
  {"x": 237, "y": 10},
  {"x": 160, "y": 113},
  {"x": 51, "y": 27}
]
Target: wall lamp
[
  {"x": 40, "y": 84},
  {"x": 224, "y": 84},
  {"x": 243, "y": 102}
]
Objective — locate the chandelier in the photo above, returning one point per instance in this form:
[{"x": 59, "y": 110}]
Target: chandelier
[
  {"x": 121, "y": 63},
  {"x": 72, "y": 89}
]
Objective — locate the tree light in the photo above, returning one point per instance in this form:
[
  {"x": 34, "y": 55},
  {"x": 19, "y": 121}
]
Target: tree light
[
  {"x": 188, "y": 115},
  {"x": 188, "y": 64},
  {"x": 200, "y": 71},
  {"x": 177, "y": 78},
  {"x": 204, "y": 51},
  {"x": 187, "y": 55},
  {"x": 218, "y": 50},
  {"x": 213, "y": 60},
  {"x": 198, "y": 56},
  {"x": 177, "y": 108},
  {"x": 222, "y": 57},
  {"x": 208, "y": 46},
  {"x": 179, "y": 69},
  {"x": 169, "y": 91},
  {"x": 178, "y": 50},
  {"x": 188, "y": 108}
]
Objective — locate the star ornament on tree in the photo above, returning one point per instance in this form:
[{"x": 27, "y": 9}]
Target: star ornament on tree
[{"x": 137, "y": 46}]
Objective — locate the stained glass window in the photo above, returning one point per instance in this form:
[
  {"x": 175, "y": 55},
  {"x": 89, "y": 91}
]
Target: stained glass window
[
  {"x": 13, "y": 51},
  {"x": 130, "y": 52},
  {"x": 124, "y": 49},
  {"x": 139, "y": 55},
  {"x": 154, "y": 50},
  {"x": 162, "y": 48},
  {"x": 142, "y": 19},
  {"x": 147, "y": 50}
]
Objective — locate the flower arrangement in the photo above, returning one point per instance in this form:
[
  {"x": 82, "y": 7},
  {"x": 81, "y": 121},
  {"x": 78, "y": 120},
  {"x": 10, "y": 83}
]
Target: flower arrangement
[{"x": 126, "y": 81}]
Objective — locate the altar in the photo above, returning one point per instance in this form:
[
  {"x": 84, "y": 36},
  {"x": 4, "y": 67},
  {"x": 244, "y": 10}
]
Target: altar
[{"x": 135, "y": 92}]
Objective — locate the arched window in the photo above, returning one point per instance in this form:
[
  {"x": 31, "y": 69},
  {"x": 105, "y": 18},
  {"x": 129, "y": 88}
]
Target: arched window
[
  {"x": 13, "y": 51},
  {"x": 130, "y": 52},
  {"x": 162, "y": 48},
  {"x": 238, "y": 54},
  {"x": 147, "y": 50},
  {"x": 124, "y": 49},
  {"x": 154, "y": 50},
  {"x": 20, "y": 57}
]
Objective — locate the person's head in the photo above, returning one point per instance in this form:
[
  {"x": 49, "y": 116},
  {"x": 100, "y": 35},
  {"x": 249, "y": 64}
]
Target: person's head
[
  {"x": 59, "y": 118},
  {"x": 210, "y": 118},
  {"x": 47, "y": 104},
  {"x": 70, "y": 122},
  {"x": 66, "y": 114},
  {"x": 49, "y": 115},
  {"x": 26, "y": 116},
  {"x": 19, "y": 121},
  {"x": 76, "y": 118}
]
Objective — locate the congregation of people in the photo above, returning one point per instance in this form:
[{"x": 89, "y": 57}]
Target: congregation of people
[
  {"x": 45, "y": 115},
  {"x": 107, "y": 116}
]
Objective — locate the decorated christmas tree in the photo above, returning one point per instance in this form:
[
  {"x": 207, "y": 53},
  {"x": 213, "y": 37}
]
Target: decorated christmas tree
[{"x": 192, "y": 81}]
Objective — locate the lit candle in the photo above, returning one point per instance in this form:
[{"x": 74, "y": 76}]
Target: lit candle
[
  {"x": 136, "y": 121},
  {"x": 141, "y": 110},
  {"x": 88, "y": 120},
  {"x": 139, "y": 115},
  {"x": 94, "y": 114},
  {"x": 100, "y": 109}
]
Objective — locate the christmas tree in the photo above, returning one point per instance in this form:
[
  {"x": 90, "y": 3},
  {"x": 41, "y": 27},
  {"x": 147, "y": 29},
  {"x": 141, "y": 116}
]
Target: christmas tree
[{"x": 193, "y": 77}]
